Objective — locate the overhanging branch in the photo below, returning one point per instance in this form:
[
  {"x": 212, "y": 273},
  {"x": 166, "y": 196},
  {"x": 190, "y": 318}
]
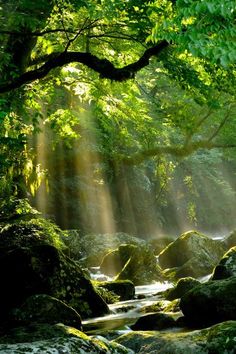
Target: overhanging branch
[
  {"x": 174, "y": 150},
  {"x": 104, "y": 67}
]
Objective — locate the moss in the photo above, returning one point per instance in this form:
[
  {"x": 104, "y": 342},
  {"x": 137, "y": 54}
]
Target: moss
[
  {"x": 27, "y": 233},
  {"x": 211, "y": 302},
  {"x": 56, "y": 339},
  {"x": 219, "y": 339},
  {"x": 141, "y": 268},
  {"x": 108, "y": 296},
  {"x": 182, "y": 286},
  {"x": 194, "y": 254},
  {"x": 227, "y": 266}
]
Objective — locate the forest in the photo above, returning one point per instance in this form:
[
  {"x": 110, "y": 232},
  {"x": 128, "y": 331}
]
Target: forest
[{"x": 117, "y": 173}]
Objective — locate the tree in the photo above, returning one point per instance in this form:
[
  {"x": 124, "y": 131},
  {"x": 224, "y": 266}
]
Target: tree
[{"x": 157, "y": 80}]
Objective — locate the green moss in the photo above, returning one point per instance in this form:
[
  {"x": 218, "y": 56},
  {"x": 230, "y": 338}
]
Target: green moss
[
  {"x": 27, "y": 233},
  {"x": 108, "y": 296}
]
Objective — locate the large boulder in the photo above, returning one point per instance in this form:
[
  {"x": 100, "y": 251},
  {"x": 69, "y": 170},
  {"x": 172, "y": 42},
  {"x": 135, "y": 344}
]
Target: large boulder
[
  {"x": 94, "y": 247},
  {"x": 218, "y": 339},
  {"x": 159, "y": 243},
  {"x": 113, "y": 262},
  {"x": 42, "y": 338},
  {"x": 226, "y": 267},
  {"x": 210, "y": 303},
  {"x": 230, "y": 240},
  {"x": 123, "y": 288},
  {"x": 45, "y": 309},
  {"x": 182, "y": 286},
  {"x": 192, "y": 254},
  {"x": 31, "y": 264},
  {"x": 139, "y": 265},
  {"x": 32, "y": 232},
  {"x": 153, "y": 322}
]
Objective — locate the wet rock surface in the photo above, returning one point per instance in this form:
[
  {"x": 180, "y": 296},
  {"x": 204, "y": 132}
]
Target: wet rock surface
[
  {"x": 31, "y": 266},
  {"x": 94, "y": 247},
  {"x": 153, "y": 322},
  {"x": 57, "y": 339},
  {"x": 124, "y": 288},
  {"x": 45, "y": 309},
  {"x": 218, "y": 339},
  {"x": 227, "y": 266},
  {"x": 182, "y": 286},
  {"x": 192, "y": 254},
  {"x": 210, "y": 303}
]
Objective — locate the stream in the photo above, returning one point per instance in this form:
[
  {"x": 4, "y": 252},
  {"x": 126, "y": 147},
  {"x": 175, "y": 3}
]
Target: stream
[{"x": 125, "y": 313}]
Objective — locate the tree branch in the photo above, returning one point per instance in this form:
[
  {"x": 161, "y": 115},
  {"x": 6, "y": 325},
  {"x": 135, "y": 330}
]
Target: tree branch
[
  {"x": 220, "y": 126},
  {"x": 36, "y": 34},
  {"x": 104, "y": 67},
  {"x": 174, "y": 150}
]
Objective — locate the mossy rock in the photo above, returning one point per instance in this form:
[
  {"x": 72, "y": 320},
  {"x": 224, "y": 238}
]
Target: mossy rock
[
  {"x": 123, "y": 288},
  {"x": 192, "y": 254},
  {"x": 29, "y": 233},
  {"x": 182, "y": 286},
  {"x": 227, "y": 266},
  {"x": 153, "y": 322},
  {"x": 230, "y": 240},
  {"x": 173, "y": 306},
  {"x": 218, "y": 339},
  {"x": 162, "y": 306},
  {"x": 44, "y": 269},
  {"x": 46, "y": 309},
  {"x": 210, "y": 303},
  {"x": 141, "y": 267},
  {"x": 46, "y": 339},
  {"x": 13, "y": 209},
  {"x": 94, "y": 247},
  {"x": 114, "y": 261},
  {"x": 158, "y": 244}
]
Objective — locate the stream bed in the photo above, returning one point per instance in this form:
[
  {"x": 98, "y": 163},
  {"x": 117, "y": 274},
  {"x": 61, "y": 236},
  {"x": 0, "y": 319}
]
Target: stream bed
[{"x": 125, "y": 313}]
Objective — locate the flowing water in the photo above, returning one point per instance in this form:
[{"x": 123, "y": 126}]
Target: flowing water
[{"x": 125, "y": 313}]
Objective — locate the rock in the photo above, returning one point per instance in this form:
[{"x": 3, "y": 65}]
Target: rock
[
  {"x": 141, "y": 267},
  {"x": 95, "y": 246},
  {"x": 114, "y": 261},
  {"x": 230, "y": 240},
  {"x": 218, "y": 339},
  {"x": 162, "y": 306},
  {"x": 44, "y": 269},
  {"x": 158, "y": 244},
  {"x": 158, "y": 306},
  {"x": 210, "y": 303},
  {"x": 28, "y": 233},
  {"x": 46, "y": 309},
  {"x": 40, "y": 339},
  {"x": 227, "y": 266},
  {"x": 153, "y": 322},
  {"x": 123, "y": 288},
  {"x": 193, "y": 254},
  {"x": 183, "y": 286},
  {"x": 173, "y": 306}
]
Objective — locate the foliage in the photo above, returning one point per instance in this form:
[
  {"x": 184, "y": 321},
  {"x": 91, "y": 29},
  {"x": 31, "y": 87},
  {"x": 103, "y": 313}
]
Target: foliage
[
  {"x": 15, "y": 209},
  {"x": 133, "y": 133},
  {"x": 31, "y": 232},
  {"x": 205, "y": 28}
]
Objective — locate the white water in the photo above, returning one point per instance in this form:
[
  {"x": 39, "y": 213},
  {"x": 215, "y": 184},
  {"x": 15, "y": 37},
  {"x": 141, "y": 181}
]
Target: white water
[{"x": 125, "y": 313}]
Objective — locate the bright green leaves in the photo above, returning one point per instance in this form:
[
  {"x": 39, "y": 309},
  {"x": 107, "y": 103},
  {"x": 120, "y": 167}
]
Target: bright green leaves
[
  {"x": 63, "y": 122},
  {"x": 206, "y": 28}
]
